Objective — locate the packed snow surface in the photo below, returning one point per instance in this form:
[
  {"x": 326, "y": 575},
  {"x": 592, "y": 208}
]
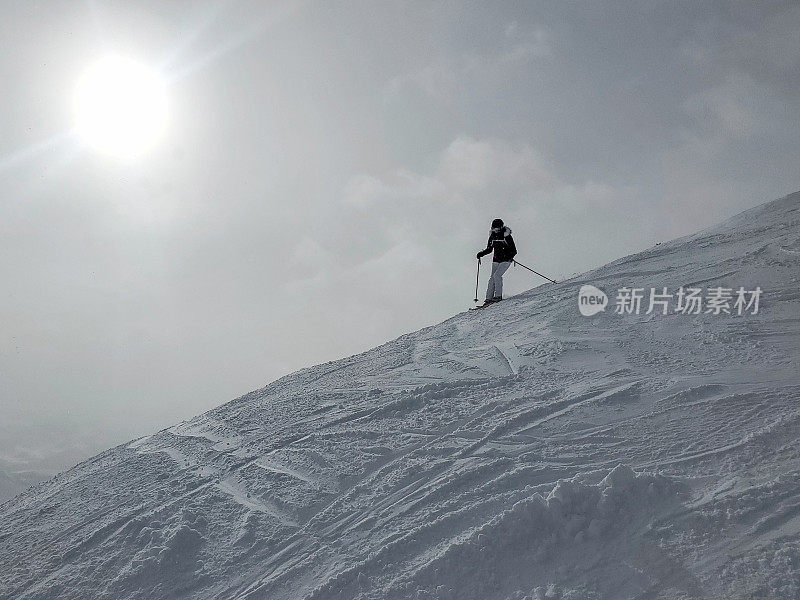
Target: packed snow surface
[{"x": 522, "y": 451}]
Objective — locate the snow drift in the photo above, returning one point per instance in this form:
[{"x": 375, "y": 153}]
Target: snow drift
[{"x": 519, "y": 452}]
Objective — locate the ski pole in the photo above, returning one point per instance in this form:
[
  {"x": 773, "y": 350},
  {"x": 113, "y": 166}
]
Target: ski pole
[
  {"x": 477, "y": 278},
  {"x": 532, "y": 271}
]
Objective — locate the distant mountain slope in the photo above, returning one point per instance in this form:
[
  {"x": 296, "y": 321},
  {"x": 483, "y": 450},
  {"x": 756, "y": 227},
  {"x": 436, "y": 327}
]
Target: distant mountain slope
[
  {"x": 35, "y": 447},
  {"x": 520, "y": 451},
  {"x": 13, "y": 482}
]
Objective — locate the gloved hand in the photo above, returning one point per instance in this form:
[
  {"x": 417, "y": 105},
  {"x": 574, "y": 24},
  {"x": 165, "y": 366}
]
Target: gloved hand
[{"x": 478, "y": 256}]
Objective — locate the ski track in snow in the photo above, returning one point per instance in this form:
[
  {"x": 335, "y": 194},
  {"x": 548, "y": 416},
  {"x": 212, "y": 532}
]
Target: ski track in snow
[{"x": 522, "y": 451}]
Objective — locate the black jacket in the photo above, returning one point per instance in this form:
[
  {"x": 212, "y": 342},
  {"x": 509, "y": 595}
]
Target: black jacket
[{"x": 503, "y": 245}]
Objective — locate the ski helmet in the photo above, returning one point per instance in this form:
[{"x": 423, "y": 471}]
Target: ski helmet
[{"x": 497, "y": 223}]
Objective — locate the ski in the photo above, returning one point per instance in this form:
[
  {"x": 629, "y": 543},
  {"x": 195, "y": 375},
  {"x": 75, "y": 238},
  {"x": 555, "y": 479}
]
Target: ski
[{"x": 482, "y": 306}]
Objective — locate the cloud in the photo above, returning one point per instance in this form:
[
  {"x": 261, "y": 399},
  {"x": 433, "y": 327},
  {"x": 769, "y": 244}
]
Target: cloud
[
  {"x": 466, "y": 167},
  {"x": 764, "y": 48},
  {"x": 727, "y": 107},
  {"x": 470, "y": 164},
  {"x": 449, "y": 76},
  {"x": 525, "y": 45},
  {"x": 438, "y": 80},
  {"x": 399, "y": 185}
]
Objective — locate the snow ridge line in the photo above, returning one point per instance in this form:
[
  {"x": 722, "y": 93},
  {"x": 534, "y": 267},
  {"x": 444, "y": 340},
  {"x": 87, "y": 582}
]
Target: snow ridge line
[{"x": 540, "y": 414}]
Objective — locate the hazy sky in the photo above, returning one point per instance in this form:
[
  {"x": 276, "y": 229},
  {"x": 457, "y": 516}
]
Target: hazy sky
[{"x": 328, "y": 171}]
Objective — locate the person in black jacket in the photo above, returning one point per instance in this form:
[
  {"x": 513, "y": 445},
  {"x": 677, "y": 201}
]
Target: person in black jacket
[{"x": 502, "y": 243}]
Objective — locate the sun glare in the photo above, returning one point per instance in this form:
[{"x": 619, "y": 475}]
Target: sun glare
[{"x": 120, "y": 106}]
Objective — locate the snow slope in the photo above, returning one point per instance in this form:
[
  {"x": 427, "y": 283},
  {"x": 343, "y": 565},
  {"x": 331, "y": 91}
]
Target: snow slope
[{"x": 523, "y": 451}]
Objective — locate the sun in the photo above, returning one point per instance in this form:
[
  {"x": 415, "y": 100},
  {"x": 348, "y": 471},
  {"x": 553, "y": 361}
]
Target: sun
[{"x": 120, "y": 106}]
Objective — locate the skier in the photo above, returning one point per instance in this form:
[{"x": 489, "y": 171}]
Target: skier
[{"x": 502, "y": 243}]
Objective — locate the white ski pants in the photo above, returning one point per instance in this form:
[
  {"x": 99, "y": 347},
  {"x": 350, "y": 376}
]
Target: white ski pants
[{"x": 495, "y": 287}]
